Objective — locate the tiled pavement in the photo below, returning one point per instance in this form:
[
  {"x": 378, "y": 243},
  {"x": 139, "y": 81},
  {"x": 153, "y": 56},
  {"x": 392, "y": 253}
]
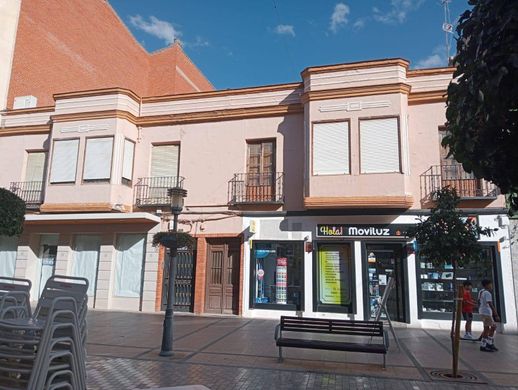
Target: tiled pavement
[{"x": 236, "y": 353}]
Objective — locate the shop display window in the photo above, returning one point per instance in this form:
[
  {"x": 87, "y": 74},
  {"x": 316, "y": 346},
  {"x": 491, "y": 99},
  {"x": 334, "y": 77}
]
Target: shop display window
[
  {"x": 334, "y": 278},
  {"x": 436, "y": 283},
  {"x": 277, "y": 272}
]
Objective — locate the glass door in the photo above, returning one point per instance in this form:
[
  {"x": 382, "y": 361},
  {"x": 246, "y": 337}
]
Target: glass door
[{"x": 385, "y": 261}]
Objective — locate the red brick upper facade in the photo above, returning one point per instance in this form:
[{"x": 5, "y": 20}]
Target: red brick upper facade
[{"x": 73, "y": 45}]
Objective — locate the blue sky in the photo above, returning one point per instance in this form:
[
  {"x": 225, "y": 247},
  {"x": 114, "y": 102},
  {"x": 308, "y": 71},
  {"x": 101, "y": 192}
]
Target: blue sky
[{"x": 239, "y": 43}]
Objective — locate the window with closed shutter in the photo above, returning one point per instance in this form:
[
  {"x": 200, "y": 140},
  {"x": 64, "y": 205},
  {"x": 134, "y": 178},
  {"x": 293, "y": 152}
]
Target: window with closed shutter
[
  {"x": 64, "y": 161},
  {"x": 379, "y": 146},
  {"x": 35, "y": 170},
  {"x": 331, "y": 148},
  {"x": 164, "y": 160},
  {"x": 127, "y": 160},
  {"x": 98, "y": 159}
]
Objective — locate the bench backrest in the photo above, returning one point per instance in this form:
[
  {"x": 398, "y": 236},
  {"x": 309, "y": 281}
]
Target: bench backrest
[{"x": 320, "y": 325}]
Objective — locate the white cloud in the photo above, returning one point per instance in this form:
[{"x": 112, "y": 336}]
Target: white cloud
[
  {"x": 399, "y": 9},
  {"x": 339, "y": 16},
  {"x": 199, "y": 42},
  {"x": 158, "y": 28},
  {"x": 285, "y": 29},
  {"x": 359, "y": 23},
  {"x": 434, "y": 60}
]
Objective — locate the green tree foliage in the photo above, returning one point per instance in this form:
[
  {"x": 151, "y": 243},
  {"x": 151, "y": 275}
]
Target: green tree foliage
[
  {"x": 12, "y": 213},
  {"x": 446, "y": 235},
  {"x": 482, "y": 109},
  {"x": 174, "y": 240}
]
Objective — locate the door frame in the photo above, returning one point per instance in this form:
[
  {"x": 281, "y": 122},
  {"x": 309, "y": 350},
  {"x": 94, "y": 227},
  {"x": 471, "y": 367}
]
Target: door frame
[
  {"x": 227, "y": 243},
  {"x": 404, "y": 272}
]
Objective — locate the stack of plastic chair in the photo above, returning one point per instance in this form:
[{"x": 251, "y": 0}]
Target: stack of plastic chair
[
  {"x": 15, "y": 298},
  {"x": 47, "y": 351}
]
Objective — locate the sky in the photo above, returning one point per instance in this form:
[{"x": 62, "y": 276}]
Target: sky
[{"x": 240, "y": 43}]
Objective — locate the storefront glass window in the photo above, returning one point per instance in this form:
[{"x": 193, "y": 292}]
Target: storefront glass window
[
  {"x": 334, "y": 272},
  {"x": 277, "y": 275},
  {"x": 436, "y": 283}
]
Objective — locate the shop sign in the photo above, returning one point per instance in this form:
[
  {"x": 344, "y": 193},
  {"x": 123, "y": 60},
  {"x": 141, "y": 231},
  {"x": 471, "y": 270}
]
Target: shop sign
[{"x": 338, "y": 230}]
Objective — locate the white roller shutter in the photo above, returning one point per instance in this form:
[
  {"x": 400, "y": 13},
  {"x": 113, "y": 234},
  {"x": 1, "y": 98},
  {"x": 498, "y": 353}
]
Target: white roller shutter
[
  {"x": 379, "y": 146},
  {"x": 127, "y": 162},
  {"x": 35, "y": 166},
  {"x": 64, "y": 161},
  {"x": 331, "y": 148},
  {"x": 164, "y": 160},
  {"x": 98, "y": 159}
]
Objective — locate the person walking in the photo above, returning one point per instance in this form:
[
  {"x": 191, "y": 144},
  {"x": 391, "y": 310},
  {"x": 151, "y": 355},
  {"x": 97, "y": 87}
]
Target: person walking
[
  {"x": 487, "y": 310},
  {"x": 468, "y": 304}
]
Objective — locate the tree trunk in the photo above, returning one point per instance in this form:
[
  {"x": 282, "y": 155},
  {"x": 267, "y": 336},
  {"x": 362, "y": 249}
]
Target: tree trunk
[{"x": 455, "y": 323}]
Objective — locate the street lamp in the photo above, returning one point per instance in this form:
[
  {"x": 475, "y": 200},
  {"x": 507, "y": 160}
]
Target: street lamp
[{"x": 176, "y": 195}]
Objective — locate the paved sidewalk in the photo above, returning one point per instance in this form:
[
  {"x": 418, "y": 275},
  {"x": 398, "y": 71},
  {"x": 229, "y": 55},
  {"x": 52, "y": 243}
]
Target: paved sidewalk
[{"x": 237, "y": 353}]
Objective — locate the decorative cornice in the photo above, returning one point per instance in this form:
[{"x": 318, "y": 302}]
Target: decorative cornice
[
  {"x": 24, "y": 130},
  {"x": 97, "y": 92},
  {"x": 224, "y": 92},
  {"x": 339, "y": 93},
  {"x": 430, "y": 72},
  {"x": 221, "y": 115},
  {"x": 81, "y": 207},
  {"x": 90, "y": 115},
  {"x": 34, "y": 110},
  {"x": 355, "y": 65},
  {"x": 427, "y": 97},
  {"x": 405, "y": 202}
]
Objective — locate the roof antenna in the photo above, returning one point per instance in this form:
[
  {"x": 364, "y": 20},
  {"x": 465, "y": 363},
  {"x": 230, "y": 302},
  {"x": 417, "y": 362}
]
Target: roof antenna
[{"x": 447, "y": 27}]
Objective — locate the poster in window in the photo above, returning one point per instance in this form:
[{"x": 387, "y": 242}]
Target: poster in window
[
  {"x": 332, "y": 262},
  {"x": 281, "y": 280}
]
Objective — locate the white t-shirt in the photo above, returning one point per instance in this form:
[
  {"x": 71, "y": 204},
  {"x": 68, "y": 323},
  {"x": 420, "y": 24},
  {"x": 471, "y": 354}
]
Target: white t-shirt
[{"x": 484, "y": 297}]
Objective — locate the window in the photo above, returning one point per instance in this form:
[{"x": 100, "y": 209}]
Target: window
[
  {"x": 98, "y": 159},
  {"x": 277, "y": 275},
  {"x": 64, "y": 161},
  {"x": 260, "y": 180},
  {"x": 35, "y": 170},
  {"x": 127, "y": 161},
  {"x": 8, "y": 247},
  {"x": 128, "y": 268},
  {"x": 379, "y": 146},
  {"x": 164, "y": 160},
  {"x": 334, "y": 282},
  {"x": 86, "y": 260},
  {"x": 331, "y": 148}
]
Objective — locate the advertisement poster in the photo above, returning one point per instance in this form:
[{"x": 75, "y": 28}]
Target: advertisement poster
[
  {"x": 332, "y": 265},
  {"x": 281, "y": 281}
]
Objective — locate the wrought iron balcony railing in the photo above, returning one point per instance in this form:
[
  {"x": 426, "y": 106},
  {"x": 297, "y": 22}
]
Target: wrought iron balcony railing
[
  {"x": 253, "y": 188},
  {"x": 152, "y": 191},
  {"x": 466, "y": 185},
  {"x": 31, "y": 192}
]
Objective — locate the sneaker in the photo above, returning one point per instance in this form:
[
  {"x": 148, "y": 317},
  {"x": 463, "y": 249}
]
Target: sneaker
[
  {"x": 486, "y": 349},
  {"x": 468, "y": 336},
  {"x": 492, "y": 347}
]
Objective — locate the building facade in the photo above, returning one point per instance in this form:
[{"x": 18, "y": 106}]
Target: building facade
[{"x": 298, "y": 194}]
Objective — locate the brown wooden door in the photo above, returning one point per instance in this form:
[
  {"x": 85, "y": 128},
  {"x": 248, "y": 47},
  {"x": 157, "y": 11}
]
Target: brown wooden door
[
  {"x": 260, "y": 171},
  {"x": 222, "y": 286}
]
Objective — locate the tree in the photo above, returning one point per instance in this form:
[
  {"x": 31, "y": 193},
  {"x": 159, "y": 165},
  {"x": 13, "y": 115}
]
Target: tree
[
  {"x": 482, "y": 111},
  {"x": 447, "y": 237},
  {"x": 12, "y": 213},
  {"x": 174, "y": 240}
]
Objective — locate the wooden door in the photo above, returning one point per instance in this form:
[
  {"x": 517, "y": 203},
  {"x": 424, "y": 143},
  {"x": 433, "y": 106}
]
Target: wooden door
[
  {"x": 222, "y": 280},
  {"x": 260, "y": 186}
]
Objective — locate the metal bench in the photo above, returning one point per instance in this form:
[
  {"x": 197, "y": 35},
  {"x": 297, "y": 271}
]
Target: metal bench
[{"x": 366, "y": 329}]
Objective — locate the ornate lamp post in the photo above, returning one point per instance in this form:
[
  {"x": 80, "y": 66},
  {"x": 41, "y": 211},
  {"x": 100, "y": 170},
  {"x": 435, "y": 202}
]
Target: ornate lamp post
[{"x": 176, "y": 194}]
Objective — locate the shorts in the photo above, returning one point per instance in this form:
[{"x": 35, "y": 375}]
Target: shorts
[
  {"x": 487, "y": 321},
  {"x": 467, "y": 316}
]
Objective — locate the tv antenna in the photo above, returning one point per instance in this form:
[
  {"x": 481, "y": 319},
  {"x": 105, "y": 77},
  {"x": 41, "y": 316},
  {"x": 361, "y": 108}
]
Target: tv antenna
[{"x": 447, "y": 27}]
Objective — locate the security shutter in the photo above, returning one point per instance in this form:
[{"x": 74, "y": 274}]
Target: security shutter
[
  {"x": 35, "y": 166},
  {"x": 331, "y": 148},
  {"x": 164, "y": 160},
  {"x": 127, "y": 162},
  {"x": 64, "y": 161},
  {"x": 98, "y": 159},
  {"x": 379, "y": 145}
]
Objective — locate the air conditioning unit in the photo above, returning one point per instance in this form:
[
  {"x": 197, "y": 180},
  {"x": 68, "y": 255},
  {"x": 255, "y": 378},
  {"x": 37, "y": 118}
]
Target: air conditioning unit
[{"x": 25, "y": 102}]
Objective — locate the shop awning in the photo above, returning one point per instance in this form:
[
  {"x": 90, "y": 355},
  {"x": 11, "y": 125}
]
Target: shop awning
[{"x": 93, "y": 218}]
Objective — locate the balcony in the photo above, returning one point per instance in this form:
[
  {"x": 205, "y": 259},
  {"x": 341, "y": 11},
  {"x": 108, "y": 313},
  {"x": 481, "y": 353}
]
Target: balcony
[
  {"x": 256, "y": 188},
  {"x": 152, "y": 191},
  {"x": 466, "y": 185},
  {"x": 31, "y": 192}
]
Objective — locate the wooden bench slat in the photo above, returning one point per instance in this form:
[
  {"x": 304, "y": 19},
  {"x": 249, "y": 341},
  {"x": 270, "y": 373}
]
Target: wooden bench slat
[{"x": 332, "y": 345}]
